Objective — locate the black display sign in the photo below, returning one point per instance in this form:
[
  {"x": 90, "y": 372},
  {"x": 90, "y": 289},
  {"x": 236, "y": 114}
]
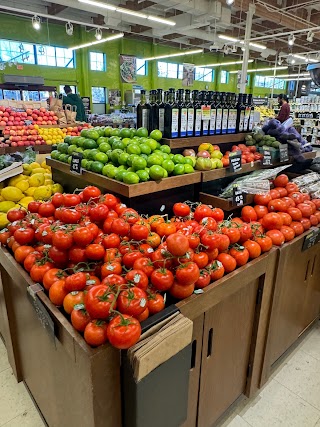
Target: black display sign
[
  {"x": 284, "y": 154},
  {"x": 311, "y": 239},
  {"x": 41, "y": 311},
  {"x": 307, "y": 115},
  {"x": 238, "y": 197},
  {"x": 75, "y": 165},
  {"x": 267, "y": 158},
  {"x": 235, "y": 161}
]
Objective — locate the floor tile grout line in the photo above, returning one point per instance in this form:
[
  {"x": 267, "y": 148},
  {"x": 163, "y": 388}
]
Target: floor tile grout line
[
  {"x": 26, "y": 409},
  {"x": 310, "y": 355},
  {"x": 296, "y": 395}
]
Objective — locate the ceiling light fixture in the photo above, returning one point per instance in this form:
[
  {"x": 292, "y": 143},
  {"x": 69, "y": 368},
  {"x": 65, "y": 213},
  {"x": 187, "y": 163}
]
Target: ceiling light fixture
[
  {"x": 228, "y": 38},
  {"x": 254, "y": 70},
  {"x": 69, "y": 29},
  {"x": 98, "y": 34},
  {"x": 224, "y": 64},
  {"x": 229, "y": 2},
  {"x": 293, "y": 61},
  {"x": 107, "y": 39},
  {"x": 291, "y": 40},
  {"x": 172, "y": 55},
  {"x": 234, "y": 48},
  {"x": 280, "y": 76},
  {"x": 257, "y": 45},
  {"x": 280, "y": 60},
  {"x": 128, "y": 12},
  {"x": 298, "y": 78},
  {"x": 36, "y": 22},
  {"x": 310, "y": 36}
]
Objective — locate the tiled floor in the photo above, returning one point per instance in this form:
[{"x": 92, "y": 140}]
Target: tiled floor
[{"x": 291, "y": 398}]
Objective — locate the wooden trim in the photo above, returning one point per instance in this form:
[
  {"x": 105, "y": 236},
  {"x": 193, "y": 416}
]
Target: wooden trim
[{"x": 197, "y": 140}]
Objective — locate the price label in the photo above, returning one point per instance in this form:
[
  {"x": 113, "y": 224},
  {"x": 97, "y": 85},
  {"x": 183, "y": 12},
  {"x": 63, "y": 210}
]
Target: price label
[
  {"x": 41, "y": 311},
  {"x": 238, "y": 197},
  {"x": 205, "y": 112},
  {"x": 284, "y": 155},
  {"x": 267, "y": 159},
  {"x": 75, "y": 165},
  {"x": 235, "y": 161},
  {"x": 311, "y": 239}
]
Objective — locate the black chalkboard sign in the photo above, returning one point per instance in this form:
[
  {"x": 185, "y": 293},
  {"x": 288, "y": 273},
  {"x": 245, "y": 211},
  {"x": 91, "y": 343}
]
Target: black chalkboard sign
[
  {"x": 311, "y": 239},
  {"x": 238, "y": 197},
  {"x": 267, "y": 159},
  {"x": 235, "y": 161},
  {"x": 284, "y": 155},
  {"x": 75, "y": 165},
  {"x": 41, "y": 311}
]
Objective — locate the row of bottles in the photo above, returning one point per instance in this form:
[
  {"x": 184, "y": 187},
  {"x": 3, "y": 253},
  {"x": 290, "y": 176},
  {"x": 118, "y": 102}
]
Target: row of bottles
[{"x": 198, "y": 113}]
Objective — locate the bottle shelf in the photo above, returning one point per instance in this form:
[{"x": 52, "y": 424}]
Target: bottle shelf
[{"x": 197, "y": 140}]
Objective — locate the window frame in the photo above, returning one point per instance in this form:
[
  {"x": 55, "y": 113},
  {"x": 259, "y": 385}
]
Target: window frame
[
  {"x": 201, "y": 78},
  {"x": 104, "y": 58},
  {"x": 105, "y": 94},
  {"x": 144, "y": 67},
  {"x": 227, "y": 76}
]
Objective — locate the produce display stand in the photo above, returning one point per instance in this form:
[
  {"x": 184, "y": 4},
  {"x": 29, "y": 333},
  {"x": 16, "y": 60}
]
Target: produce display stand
[
  {"x": 296, "y": 303},
  {"x": 40, "y": 149},
  {"x": 197, "y": 140}
]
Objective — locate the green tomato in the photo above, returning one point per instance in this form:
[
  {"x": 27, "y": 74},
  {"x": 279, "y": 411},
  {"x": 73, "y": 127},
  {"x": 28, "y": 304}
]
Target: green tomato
[
  {"x": 119, "y": 174},
  {"x": 154, "y": 159},
  {"x": 156, "y": 134},
  {"x": 156, "y": 172},
  {"x": 138, "y": 163},
  {"x": 145, "y": 148},
  {"x": 188, "y": 161},
  {"x": 165, "y": 149},
  {"x": 127, "y": 141},
  {"x": 92, "y": 154},
  {"x": 105, "y": 147},
  {"x": 178, "y": 158},
  {"x": 168, "y": 165},
  {"x": 152, "y": 143},
  {"x": 107, "y": 131},
  {"x": 131, "y": 158},
  {"x": 123, "y": 158},
  {"x": 102, "y": 140},
  {"x": 96, "y": 167},
  {"x": 109, "y": 171},
  {"x": 101, "y": 157},
  {"x": 178, "y": 169},
  {"x": 143, "y": 175},
  {"x": 130, "y": 178},
  {"x": 188, "y": 168},
  {"x": 133, "y": 149}
]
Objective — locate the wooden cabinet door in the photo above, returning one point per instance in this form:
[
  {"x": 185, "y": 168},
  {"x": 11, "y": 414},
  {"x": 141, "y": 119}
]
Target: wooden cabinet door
[
  {"x": 227, "y": 336},
  {"x": 311, "y": 309}
]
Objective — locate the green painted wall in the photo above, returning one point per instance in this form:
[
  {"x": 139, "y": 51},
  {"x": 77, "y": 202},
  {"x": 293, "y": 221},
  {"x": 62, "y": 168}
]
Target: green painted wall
[{"x": 20, "y": 29}]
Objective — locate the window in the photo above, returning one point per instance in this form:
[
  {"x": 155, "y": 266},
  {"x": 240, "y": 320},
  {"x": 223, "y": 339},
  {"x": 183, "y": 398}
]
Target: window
[
  {"x": 224, "y": 77},
  {"x": 46, "y": 55},
  {"x": 1, "y": 94},
  {"x": 17, "y": 52},
  {"x": 267, "y": 82},
  {"x": 98, "y": 95},
  {"x": 64, "y": 57},
  {"x": 73, "y": 88},
  {"x": 203, "y": 74},
  {"x": 29, "y": 95},
  {"x": 44, "y": 95},
  {"x": 97, "y": 61},
  {"x": 12, "y": 94},
  {"x": 170, "y": 70},
  {"x": 142, "y": 67}
]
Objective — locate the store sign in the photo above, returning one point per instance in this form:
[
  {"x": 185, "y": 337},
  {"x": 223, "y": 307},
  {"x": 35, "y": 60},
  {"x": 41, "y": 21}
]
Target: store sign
[
  {"x": 238, "y": 197},
  {"x": 187, "y": 74},
  {"x": 311, "y": 239},
  {"x": 255, "y": 186},
  {"x": 75, "y": 165},
  {"x": 128, "y": 69},
  {"x": 235, "y": 161},
  {"x": 284, "y": 154},
  {"x": 267, "y": 158},
  {"x": 41, "y": 311},
  {"x": 307, "y": 115}
]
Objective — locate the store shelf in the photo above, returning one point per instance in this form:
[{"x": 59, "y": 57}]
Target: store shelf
[
  {"x": 41, "y": 149},
  {"x": 46, "y": 126},
  {"x": 219, "y": 202},
  {"x": 197, "y": 140},
  {"x": 225, "y": 172},
  {"x": 128, "y": 190}
]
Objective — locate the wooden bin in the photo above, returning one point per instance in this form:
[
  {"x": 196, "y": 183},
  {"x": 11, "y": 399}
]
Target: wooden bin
[
  {"x": 296, "y": 303},
  {"x": 72, "y": 383}
]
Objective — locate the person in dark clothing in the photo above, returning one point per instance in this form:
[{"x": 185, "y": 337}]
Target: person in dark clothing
[
  {"x": 74, "y": 99},
  {"x": 284, "y": 112}
]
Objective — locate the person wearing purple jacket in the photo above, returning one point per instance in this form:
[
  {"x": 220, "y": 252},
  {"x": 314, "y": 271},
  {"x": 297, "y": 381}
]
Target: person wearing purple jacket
[{"x": 284, "y": 112}]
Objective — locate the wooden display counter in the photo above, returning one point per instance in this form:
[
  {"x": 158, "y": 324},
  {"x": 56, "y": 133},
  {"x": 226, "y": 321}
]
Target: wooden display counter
[{"x": 41, "y": 149}]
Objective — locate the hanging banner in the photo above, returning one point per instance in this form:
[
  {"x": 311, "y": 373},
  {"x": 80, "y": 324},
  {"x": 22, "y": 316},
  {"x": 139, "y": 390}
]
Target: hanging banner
[
  {"x": 128, "y": 68},
  {"x": 188, "y": 74}
]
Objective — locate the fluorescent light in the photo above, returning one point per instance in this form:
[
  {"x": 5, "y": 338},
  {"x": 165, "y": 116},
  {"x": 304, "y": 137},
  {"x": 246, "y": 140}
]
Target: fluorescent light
[
  {"x": 299, "y": 57},
  {"x": 161, "y": 20},
  {"x": 297, "y": 78},
  {"x": 108, "y": 39},
  {"x": 278, "y": 76},
  {"x": 230, "y": 39},
  {"x": 224, "y": 64},
  {"x": 128, "y": 12},
  {"x": 257, "y": 45},
  {"x": 254, "y": 70},
  {"x": 187, "y": 52}
]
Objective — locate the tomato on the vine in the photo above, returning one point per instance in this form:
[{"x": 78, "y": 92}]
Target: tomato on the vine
[
  {"x": 276, "y": 236},
  {"x": 71, "y": 299},
  {"x": 100, "y": 300},
  {"x": 132, "y": 301},
  {"x": 204, "y": 279},
  {"x": 76, "y": 282},
  {"x": 90, "y": 193},
  {"x": 240, "y": 254},
  {"x": 253, "y": 248},
  {"x": 155, "y": 303},
  {"x": 180, "y": 291},
  {"x": 228, "y": 262},
  {"x": 162, "y": 279},
  {"x": 188, "y": 273},
  {"x": 95, "y": 332},
  {"x": 62, "y": 240},
  {"x": 79, "y": 317},
  {"x": 123, "y": 331},
  {"x": 58, "y": 292},
  {"x": 137, "y": 278},
  {"x": 51, "y": 276}
]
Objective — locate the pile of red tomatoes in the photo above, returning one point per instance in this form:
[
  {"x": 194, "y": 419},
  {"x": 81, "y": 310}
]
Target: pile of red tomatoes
[{"x": 110, "y": 268}]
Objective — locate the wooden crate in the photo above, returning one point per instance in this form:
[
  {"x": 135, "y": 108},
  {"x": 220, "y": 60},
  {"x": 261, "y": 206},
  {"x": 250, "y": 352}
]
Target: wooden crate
[
  {"x": 72, "y": 383},
  {"x": 220, "y": 202}
]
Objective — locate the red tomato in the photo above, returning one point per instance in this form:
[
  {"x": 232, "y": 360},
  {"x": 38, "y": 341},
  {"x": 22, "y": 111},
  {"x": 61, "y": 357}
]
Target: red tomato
[
  {"x": 261, "y": 211},
  {"x": 33, "y": 207},
  {"x": 217, "y": 214},
  {"x": 277, "y": 205},
  {"x": 272, "y": 221},
  {"x": 188, "y": 273},
  {"x": 144, "y": 264},
  {"x": 70, "y": 216},
  {"x": 30, "y": 260},
  {"x": 22, "y": 252},
  {"x": 109, "y": 200},
  {"x": 305, "y": 223},
  {"x": 289, "y": 202},
  {"x": 295, "y": 214},
  {"x": 245, "y": 232},
  {"x": 224, "y": 242},
  {"x": 211, "y": 240},
  {"x": 274, "y": 194},
  {"x": 139, "y": 232},
  {"x": 130, "y": 257},
  {"x": 240, "y": 254},
  {"x": 233, "y": 234},
  {"x": 46, "y": 209},
  {"x": 248, "y": 214},
  {"x": 99, "y": 301},
  {"x": 120, "y": 226},
  {"x": 212, "y": 254},
  {"x": 165, "y": 229},
  {"x": 297, "y": 227},
  {"x": 77, "y": 254},
  {"x": 177, "y": 244},
  {"x": 305, "y": 209},
  {"x": 180, "y": 291},
  {"x": 38, "y": 270},
  {"x": 201, "y": 259},
  {"x": 253, "y": 248},
  {"x": 72, "y": 299},
  {"x": 94, "y": 229},
  {"x": 276, "y": 236},
  {"x": 155, "y": 303},
  {"x": 288, "y": 233},
  {"x": 281, "y": 180},
  {"x": 265, "y": 243},
  {"x": 262, "y": 199},
  {"x": 282, "y": 191},
  {"x": 23, "y": 236},
  {"x": 98, "y": 212},
  {"x": 51, "y": 276},
  {"x": 95, "y": 332},
  {"x": 144, "y": 315},
  {"x": 314, "y": 220},
  {"x": 114, "y": 279},
  {"x": 95, "y": 252},
  {"x": 209, "y": 223},
  {"x": 123, "y": 331},
  {"x": 297, "y": 197},
  {"x": 181, "y": 209},
  {"x": 82, "y": 236},
  {"x": 137, "y": 278},
  {"x": 62, "y": 240},
  {"x": 90, "y": 193},
  {"x": 132, "y": 301},
  {"x": 204, "y": 279},
  {"x": 58, "y": 292},
  {"x": 310, "y": 203},
  {"x": 162, "y": 279},
  {"x": 130, "y": 215},
  {"x": 286, "y": 218},
  {"x": 216, "y": 270},
  {"x": 228, "y": 262},
  {"x": 57, "y": 200},
  {"x": 292, "y": 187},
  {"x": 202, "y": 211},
  {"x": 76, "y": 282},
  {"x": 16, "y": 214},
  {"x": 79, "y": 317}
]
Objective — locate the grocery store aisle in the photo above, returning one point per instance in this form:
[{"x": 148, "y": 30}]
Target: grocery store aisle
[{"x": 291, "y": 398}]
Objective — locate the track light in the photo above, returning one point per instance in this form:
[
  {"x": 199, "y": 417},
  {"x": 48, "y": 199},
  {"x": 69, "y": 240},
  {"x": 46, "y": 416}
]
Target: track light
[
  {"x": 291, "y": 40},
  {"x": 280, "y": 60},
  {"x": 98, "y": 34},
  {"x": 292, "y": 61},
  {"x": 310, "y": 36},
  {"x": 307, "y": 58},
  {"x": 229, "y": 2},
  {"x": 234, "y": 48},
  {"x": 69, "y": 29},
  {"x": 36, "y": 22}
]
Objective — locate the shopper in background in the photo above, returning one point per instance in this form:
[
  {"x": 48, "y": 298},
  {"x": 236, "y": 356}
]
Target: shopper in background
[
  {"x": 284, "y": 112},
  {"x": 74, "y": 99}
]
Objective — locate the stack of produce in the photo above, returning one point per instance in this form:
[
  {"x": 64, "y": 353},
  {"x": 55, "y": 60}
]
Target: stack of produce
[
  {"x": 28, "y": 156},
  {"x": 9, "y": 117},
  {"x": 265, "y": 112},
  {"x": 208, "y": 157},
  {"x": 129, "y": 155}
]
